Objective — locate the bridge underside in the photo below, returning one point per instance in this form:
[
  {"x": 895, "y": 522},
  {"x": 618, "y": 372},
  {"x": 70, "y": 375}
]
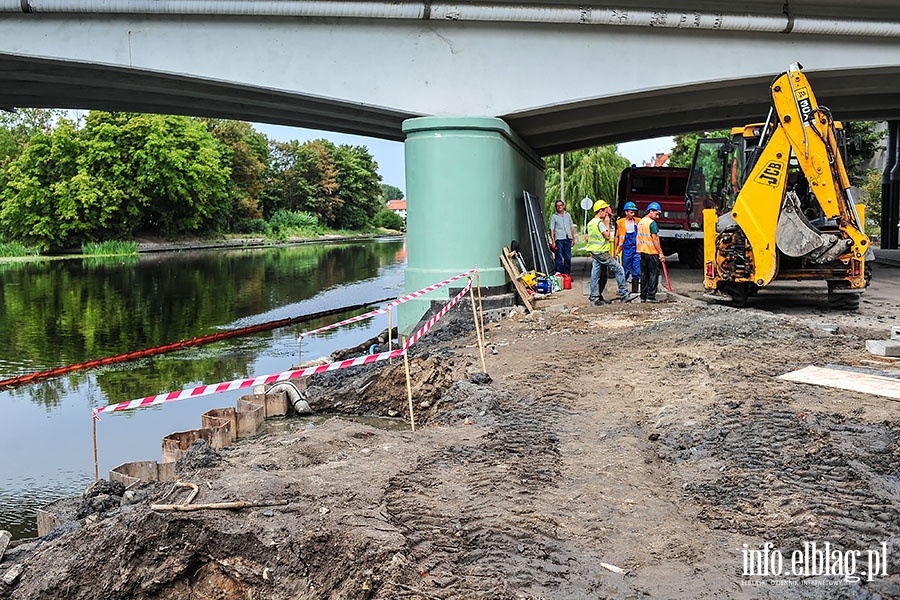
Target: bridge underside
[
  {"x": 44, "y": 83},
  {"x": 559, "y": 86},
  {"x": 871, "y": 93}
]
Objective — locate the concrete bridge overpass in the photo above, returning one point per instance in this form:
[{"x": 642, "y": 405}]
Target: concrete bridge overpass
[{"x": 499, "y": 85}]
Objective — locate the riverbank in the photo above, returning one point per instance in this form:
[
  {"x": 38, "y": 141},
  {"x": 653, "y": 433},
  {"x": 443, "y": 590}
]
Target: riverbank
[
  {"x": 151, "y": 244},
  {"x": 620, "y": 451},
  {"x": 148, "y": 244},
  {"x": 61, "y": 312}
]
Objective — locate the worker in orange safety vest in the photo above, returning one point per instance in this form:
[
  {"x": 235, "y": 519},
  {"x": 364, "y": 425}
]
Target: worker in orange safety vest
[{"x": 650, "y": 251}]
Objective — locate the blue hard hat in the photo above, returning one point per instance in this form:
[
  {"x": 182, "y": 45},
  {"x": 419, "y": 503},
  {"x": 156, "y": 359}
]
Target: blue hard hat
[
  {"x": 630, "y": 206},
  {"x": 654, "y": 206}
]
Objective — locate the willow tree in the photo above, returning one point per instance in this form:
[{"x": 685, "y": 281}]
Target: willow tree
[{"x": 592, "y": 173}]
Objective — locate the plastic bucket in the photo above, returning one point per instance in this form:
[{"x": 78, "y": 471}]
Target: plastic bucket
[{"x": 542, "y": 286}]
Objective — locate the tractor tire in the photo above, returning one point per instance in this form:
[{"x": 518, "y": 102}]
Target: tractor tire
[
  {"x": 739, "y": 293},
  {"x": 843, "y": 301}
]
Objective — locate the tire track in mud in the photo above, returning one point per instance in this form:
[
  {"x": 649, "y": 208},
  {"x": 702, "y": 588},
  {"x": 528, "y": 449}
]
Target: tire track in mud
[
  {"x": 496, "y": 545},
  {"x": 789, "y": 477}
]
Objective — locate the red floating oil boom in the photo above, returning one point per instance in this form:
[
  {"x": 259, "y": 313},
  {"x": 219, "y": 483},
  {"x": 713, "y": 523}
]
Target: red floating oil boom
[{"x": 197, "y": 341}]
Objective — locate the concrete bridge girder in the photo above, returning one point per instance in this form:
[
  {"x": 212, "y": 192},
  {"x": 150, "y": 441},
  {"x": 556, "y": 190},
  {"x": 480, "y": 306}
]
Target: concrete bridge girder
[{"x": 367, "y": 75}]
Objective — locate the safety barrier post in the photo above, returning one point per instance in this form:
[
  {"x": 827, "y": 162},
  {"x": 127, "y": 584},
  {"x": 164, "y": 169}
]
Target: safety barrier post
[
  {"x": 480, "y": 308},
  {"x": 477, "y": 328},
  {"x": 412, "y": 417},
  {"x": 390, "y": 360},
  {"x": 96, "y": 464}
]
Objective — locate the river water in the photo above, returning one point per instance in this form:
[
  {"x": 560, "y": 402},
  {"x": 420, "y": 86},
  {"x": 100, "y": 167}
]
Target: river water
[{"x": 55, "y": 313}]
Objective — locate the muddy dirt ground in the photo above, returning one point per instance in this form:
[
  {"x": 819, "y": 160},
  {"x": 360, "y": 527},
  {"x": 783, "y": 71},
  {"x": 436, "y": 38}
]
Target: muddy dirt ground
[{"x": 621, "y": 451}]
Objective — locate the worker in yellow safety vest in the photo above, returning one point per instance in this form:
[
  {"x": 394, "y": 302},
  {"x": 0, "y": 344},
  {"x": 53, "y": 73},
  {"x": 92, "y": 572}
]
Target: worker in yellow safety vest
[
  {"x": 599, "y": 245},
  {"x": 650, "y": 251}
]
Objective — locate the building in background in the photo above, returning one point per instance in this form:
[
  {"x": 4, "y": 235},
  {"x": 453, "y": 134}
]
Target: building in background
[
  {"x": 661, "y": 159},
  {"x": 399, "y": 207}
]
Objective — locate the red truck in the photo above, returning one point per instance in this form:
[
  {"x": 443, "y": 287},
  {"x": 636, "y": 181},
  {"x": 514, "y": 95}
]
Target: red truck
[{"x": 680, "y": 231}]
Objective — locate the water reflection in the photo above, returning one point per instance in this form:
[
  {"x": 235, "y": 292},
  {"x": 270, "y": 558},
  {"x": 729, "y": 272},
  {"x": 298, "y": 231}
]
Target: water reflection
[{"x": 54, "y": 313}]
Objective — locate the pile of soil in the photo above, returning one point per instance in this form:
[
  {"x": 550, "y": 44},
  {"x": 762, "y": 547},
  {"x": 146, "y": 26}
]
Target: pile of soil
[{"x": 622, "y": 451}]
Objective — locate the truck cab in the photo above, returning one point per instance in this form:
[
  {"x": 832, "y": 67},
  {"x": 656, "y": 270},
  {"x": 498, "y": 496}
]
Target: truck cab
[{"x": 679, "y": 231}]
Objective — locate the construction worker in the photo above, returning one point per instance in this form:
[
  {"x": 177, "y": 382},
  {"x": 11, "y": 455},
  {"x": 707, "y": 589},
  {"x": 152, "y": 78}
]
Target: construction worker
[
  {"x": 650, "y": 251},
  {"x": 626, "y": 244},
  {"x": 599, "y": 243}
]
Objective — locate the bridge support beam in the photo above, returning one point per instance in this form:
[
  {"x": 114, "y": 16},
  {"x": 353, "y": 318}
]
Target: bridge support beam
[
  {"x": 465, "y": 178},
  {"x": 890, "y": 189}
]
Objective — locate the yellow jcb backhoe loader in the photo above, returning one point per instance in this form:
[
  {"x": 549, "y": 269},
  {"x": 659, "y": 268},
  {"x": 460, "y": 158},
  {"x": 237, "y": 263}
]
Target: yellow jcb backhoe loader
[{"x": 778, "y": 204}]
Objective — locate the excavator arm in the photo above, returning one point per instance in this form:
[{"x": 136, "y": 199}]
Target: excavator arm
[
  {"x": 810, "y": 129},
  {"x": 770, "y": 214}
]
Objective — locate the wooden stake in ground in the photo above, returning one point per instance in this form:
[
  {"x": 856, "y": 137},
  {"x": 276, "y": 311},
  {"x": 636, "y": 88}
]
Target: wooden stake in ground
[
  {"x": 412, "y": 417},
  {"x": 390, "y": 359},
  {"x": 480, "y": 307},
  {"x": 477, "y": 328},
  {"x": 96, "y": 465}
]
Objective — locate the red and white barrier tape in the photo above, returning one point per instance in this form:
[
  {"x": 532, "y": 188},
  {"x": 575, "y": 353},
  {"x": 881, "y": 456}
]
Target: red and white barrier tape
[
  {"x": 391, "y": 305},
  {"x": 237, "y": 384}
]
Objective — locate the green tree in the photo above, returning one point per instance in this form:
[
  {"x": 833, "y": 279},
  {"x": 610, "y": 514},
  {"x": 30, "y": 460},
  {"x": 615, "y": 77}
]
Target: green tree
[
  {"x": 390, "y": 192},
  {"x": 863, "y": 139},
  {"x": 339, "y": 184},
  {"x": 119, "y": 173},
  {"x": 181, "y": 168},
  {"x": 291, "y": 179},
  {"x": 37, "y": 207},
  {"x": 359, "y": 187},
  {"x": 389, "y": 220},
  {"x": 872, "y": 199},
  {"x": 326, "y": 202},
  {"x": 248, "y": 156},
  {"x": 17, "y": 127},
  {"x": 23, "y": 123},
  {"x": 683, "y": 152},
  {"x": 593, "y": 173}
]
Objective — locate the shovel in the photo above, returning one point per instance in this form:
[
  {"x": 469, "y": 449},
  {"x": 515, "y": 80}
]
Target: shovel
[{"x": 666, "y": 273}]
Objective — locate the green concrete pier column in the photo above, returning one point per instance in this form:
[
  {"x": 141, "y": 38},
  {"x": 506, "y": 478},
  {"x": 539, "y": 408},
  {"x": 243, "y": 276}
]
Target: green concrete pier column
[{"x": 465, "y": 178}]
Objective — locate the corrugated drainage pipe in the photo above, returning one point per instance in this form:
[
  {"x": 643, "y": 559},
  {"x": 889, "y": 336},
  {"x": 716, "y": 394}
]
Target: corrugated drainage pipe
[{"x": 509, "y": 13}]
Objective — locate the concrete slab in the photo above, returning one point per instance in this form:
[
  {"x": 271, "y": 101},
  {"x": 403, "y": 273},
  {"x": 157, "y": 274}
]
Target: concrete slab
[
  {"x": 846, "y": 380},
  {"x": 883, "y": 347},
  {"x": 5, "y": 536},
  {"x": 887, "y": 257}
]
